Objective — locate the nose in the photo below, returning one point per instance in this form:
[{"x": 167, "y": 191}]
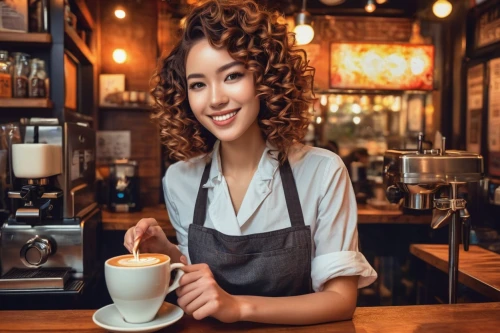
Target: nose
[{"x": 219, "y": 98}]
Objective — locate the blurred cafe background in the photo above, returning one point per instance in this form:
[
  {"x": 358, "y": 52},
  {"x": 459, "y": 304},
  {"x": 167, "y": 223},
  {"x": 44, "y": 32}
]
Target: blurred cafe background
[{"x": 400, "y": 87}]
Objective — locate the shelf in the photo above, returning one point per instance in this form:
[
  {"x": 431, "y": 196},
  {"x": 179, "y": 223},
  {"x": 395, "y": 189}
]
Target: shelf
[
  {"x": 77, "y": 47},
  {"x": 29, "y": 38},
  {"x": 84, "y": 18},
  {"x": 26, "y": 103},
  {"x": 126, "y": 107}
]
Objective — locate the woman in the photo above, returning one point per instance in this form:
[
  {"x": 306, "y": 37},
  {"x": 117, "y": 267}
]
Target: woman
[{"x": 267, "y": 225}]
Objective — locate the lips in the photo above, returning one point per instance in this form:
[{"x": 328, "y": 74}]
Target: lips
[{"x": 224, "y": 117}]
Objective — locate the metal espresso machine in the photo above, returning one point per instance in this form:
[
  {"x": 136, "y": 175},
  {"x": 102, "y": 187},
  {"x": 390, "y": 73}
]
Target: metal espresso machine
[
  {"x": 49, "y": 243},
  {"x": 436, "y": 179}
]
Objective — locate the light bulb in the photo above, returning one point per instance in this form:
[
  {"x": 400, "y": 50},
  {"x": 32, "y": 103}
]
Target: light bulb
[
  {"x": 119, "y": 56},
  {"x": 380, "y": 2},
  {"x": 120, "y": 13},
  {"x": 441, "y": 8},
  {"x": 304, "y": 34},
  {"x": 370, "y": 6}
]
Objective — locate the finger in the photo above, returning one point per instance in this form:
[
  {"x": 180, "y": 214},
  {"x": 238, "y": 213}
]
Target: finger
[
  {"x": 183, "y": 290},
  {"x": 197, "y": 304},
  {"x": 186, "y": 299},
  {"x": 129, "y": 239},
  {"x": 188, "y": 278},
  {"x": 184, "y": 260},
  {"x": 206, "y": 310},
  {"x": 142, "y": 228},
  {"x": 196, "y": 267}
]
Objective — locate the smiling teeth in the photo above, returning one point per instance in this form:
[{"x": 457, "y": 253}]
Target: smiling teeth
[{"x": 224, "y": 117}]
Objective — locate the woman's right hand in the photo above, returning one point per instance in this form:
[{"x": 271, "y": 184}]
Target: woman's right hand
[{"x": 153, "y": 239}]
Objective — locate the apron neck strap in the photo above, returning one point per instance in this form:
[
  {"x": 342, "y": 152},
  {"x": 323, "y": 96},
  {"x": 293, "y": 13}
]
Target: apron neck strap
[
  {"x": 200, "y": 208},
  {"x": 289, "y": 187},
  {"x": 291, "y": 195}
]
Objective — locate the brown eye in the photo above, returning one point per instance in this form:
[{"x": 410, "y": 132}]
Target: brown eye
[{"x": 233, "y": 76}]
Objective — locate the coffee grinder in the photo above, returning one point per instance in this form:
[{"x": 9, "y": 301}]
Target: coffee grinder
[
  {"x": 435, "y": 179},
  {"x": 48, "y": 245}
]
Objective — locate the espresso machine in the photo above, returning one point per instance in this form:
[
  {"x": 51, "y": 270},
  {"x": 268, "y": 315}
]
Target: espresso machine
[
  {"x": 437, "y": 180},
  {"x": 49, "y": 243}
]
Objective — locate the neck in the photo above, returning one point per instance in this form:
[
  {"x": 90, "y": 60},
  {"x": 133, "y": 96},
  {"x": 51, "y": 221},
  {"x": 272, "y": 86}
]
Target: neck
[{"x": 242, "y": 156}]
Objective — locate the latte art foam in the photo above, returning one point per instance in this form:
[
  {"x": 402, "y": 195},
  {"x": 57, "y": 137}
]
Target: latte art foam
[{"x": 143, "y": 261}]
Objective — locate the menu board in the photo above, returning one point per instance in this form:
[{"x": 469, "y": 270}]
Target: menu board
[
  {"x": 475, "y": 88},
  {"x": 381, "y": 66},
  {"x": 488, "y": 27},
  {"x": 494, "y": 117}
]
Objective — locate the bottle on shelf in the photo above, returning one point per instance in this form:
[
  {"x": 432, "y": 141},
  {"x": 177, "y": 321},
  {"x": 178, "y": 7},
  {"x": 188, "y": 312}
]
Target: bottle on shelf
[
  {"x": 21, "y": 73},
  {"x": 37, "y": 79},
  {"x": 5, "y": 76}
]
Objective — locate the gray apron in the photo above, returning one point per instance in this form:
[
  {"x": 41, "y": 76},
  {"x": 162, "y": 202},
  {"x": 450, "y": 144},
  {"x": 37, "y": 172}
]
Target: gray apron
[{"x": 276, "y": 263}]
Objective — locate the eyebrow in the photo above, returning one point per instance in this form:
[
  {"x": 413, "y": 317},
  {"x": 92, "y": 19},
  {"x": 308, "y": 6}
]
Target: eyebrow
[{"x": 219, "y": 70}]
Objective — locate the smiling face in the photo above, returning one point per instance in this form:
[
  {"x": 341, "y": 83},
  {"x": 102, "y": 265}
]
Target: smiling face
[{"x": 221, "y": 92}]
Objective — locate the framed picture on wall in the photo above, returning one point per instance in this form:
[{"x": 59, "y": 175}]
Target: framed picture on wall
[
  {"x": 494, "y": 117},
  {"x": 475, "y": 103},
  {"x": 111, "y": 88}
]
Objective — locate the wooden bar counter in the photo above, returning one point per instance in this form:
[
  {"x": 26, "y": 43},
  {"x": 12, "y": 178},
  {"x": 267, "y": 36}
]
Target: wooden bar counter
[
  {"x": 478, "y": 269},
  {"x": 366, "y": 215},
  {"x": 458, "y": 318}
]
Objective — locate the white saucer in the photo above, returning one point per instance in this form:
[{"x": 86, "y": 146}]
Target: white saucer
[{"x": 109, "y": 318}]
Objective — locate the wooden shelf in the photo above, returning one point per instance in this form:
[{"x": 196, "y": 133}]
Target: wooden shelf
[
  {"x": 20, "y": 37},
  {"x": 83, "y": 14},
  {"x": 127, "y": 107},
  {"x": 77, "y": 47},
  {"x": 26, "y": 103}
]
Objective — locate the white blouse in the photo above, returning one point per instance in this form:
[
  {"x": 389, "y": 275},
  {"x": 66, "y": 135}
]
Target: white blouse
[{"x": 326, "y": 196}]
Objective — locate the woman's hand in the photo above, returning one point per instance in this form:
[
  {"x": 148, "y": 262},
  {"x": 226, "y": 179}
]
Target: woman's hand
[
  {"x": 153, "y": 239},
  {"x": 200, "y": 296}
]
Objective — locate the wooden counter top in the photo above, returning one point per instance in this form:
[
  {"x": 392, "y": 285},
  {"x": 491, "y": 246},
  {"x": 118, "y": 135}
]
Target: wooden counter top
[
  {"x": 478, "y": 269},
  {"x": 457, "y": 318},
  {"x": 366, "y": 215}
]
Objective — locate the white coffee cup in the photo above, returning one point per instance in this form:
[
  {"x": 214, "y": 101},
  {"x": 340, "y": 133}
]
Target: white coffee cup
[{"x": 139, "y": 291}]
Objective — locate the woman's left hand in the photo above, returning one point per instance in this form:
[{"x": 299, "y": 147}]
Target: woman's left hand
[{"x": 200, "y": 296}]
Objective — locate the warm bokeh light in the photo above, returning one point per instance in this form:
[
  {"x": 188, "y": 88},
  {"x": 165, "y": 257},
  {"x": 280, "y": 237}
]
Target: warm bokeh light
[
  {"x": 380, "y": 2},
  {"x": 120, "y": 13},
  {"x": 370, "y": 6},
  {"x": 319, "y": 120},
  {"x": 304, "y": 34},
  {"x": 119, "y": 56},
  {"x": 442, "y": 8},
  {"x": 381, "y": 66},
  {"x": 356, "y": 120}
]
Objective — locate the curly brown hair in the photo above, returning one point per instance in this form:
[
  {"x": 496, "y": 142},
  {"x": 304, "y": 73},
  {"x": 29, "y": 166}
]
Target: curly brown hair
[{"x": 283, "y": 78}]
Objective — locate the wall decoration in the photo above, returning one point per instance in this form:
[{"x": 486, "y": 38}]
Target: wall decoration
[
  {"x": 111, "y": 88},
  {"x": 381, "y": 66},
  {"x": 494, "y": 117},
  {"x": 475, "y": 88}
]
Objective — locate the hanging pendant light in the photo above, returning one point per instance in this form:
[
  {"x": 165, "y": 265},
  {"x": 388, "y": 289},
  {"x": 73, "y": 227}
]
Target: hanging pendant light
[
  {"x": 442, "y": 8},
  {"x": 304, "y": 32},
  {"x": 370, "y": 6}
]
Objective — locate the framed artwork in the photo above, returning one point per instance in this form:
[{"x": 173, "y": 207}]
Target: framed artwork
[
  {"x": 371, "y": 66},
  {"x": 475, "y": 89},
  {"x": 111, "y": 88},
  {"x": 14, "y": 15}
]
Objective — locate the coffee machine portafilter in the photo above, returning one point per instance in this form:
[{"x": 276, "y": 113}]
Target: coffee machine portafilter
[{"x": 432, "y": 179}]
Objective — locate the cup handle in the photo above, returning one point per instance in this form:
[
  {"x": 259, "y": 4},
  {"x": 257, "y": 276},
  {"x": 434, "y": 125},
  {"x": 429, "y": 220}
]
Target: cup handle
[{"x": 178, "y": 276}]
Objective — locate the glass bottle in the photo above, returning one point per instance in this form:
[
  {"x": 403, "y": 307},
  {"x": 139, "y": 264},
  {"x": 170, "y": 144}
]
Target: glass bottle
[
  {"x": 37, "y": 79},
  {"x": 21, "y": 72},
  {"x": 5, "y": 76}
]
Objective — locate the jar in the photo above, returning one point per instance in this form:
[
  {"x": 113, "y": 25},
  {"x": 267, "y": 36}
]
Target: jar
[
  {"x": 5, "y": 76},
  {"x": 21, "y": 72},
  {"x": 37, "y": 79}
]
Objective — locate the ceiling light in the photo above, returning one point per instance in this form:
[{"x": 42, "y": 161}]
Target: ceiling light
[
  {"x": 370, "y": 6},
  {"x": 120, "y": 13},
  {"x": 332, "y": 2},
  {"x": 380, "y": 2},
  {"x": 441, "y": 8},
  {"x": 119, "y": 56},
  {"x": 304, "y": 32}
]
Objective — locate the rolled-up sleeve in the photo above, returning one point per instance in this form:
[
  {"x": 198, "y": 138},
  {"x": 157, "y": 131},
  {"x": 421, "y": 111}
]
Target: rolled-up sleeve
[
  {"x": 173, "y": 214},
  {"x": 336, "y": 234}
]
